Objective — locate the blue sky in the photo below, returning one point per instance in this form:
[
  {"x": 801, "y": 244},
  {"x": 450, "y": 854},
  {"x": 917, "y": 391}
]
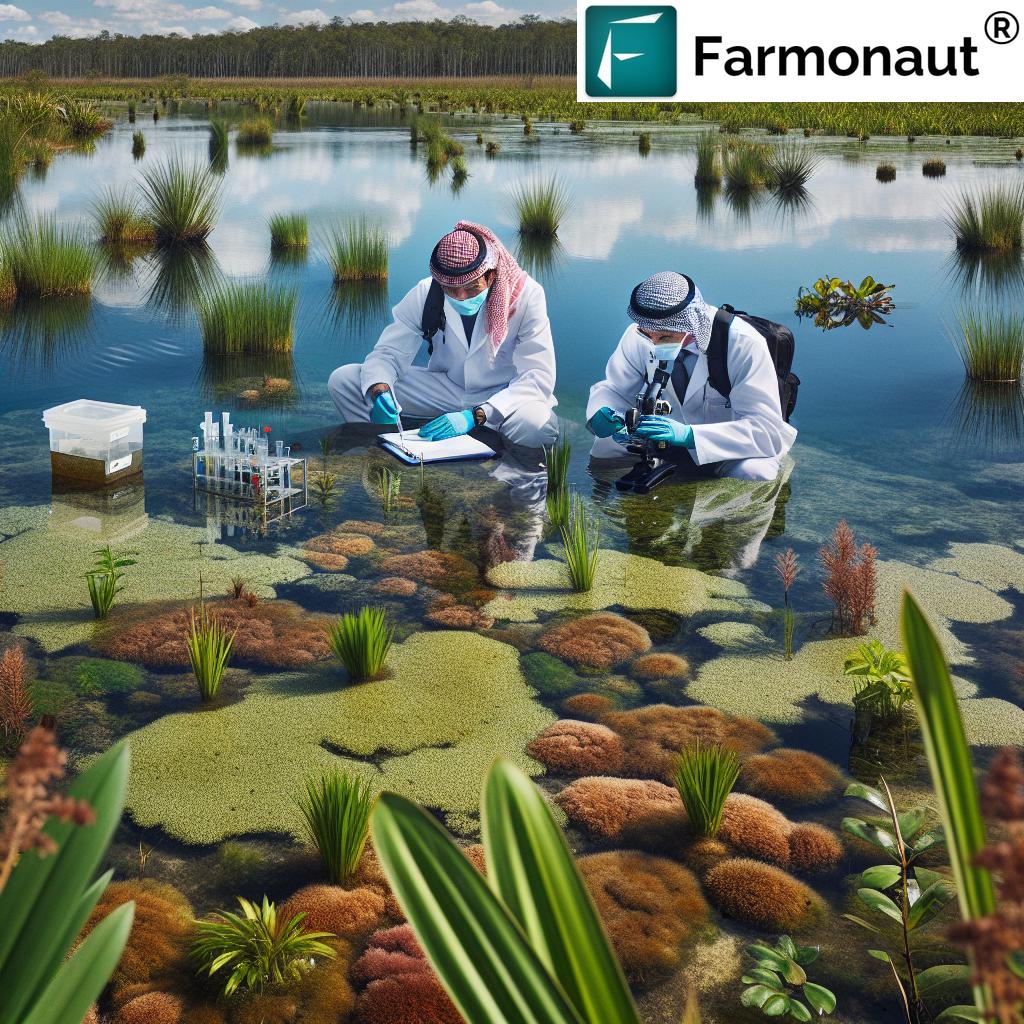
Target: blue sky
[{"x": 37, "y": 20}]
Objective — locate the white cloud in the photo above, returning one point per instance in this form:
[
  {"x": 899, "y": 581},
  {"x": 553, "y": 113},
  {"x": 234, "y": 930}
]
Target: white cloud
[
  {"x": 241, "y": 24},
  {"x": 311, "y": 16},
  {"x": 489, "y": 13},
  {"x": 8, "y": 12},
  {"x": 363, "y": 15},
  {"x": 249, "y": 5},
  {"x": 418, "y": 9},
  {"x": 209, "y": 13}
]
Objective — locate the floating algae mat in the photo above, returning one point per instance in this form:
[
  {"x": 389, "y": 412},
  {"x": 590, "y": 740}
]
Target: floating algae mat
[{"x": 681, "y": 640}]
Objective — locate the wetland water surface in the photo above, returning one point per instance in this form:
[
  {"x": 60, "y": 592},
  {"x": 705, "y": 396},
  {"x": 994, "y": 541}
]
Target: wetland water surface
[{"x": 489, "y": 654}]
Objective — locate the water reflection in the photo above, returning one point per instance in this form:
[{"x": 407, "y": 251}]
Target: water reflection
[
  {"x": 39, "y": 334},
  {"x": 989, "y": 417},
  {"x": 539, "y": 256},
  {"x": 358, "y": 307},
  {"x": 263, "y": 381},
  {"x": 178, "y": 276},
  {"x": 111, "y": 515},
  {"x": 987, "y": 275}
]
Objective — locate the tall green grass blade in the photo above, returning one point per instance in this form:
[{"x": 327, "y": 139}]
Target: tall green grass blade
[
  {"x": 540, "y": 205},
  {"x": 580, "y": 543},
  {"x": 478, "y": 951},
  {"x": 247, "y": 317},
  {"x": 991, "y": 345},
  {"x": 181, "y": 201},
  {"x": 705, "y": 777},
  {"x": 361, "y": 642},
  {"x": 358, "y": 251},
  {"x": 532, "y": 871},
  {"x": 336, "y": 808}
]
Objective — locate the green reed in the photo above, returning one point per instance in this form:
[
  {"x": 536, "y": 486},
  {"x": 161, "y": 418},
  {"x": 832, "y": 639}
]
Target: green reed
[
  {"x": 709, "y": 162},
  {"x": 358, "y": 251},
  {"x": 705, "y": 777},
  {"x": 289, "y": 231},
  {"x": 556, "y": 462},
  {"x": 258, "y": 131},
  {"x": 45, "y": 259},
  {"x": 580, "y": 542},
  {"x": 336, "y": 808},
  {"x": 209, "y": 649},
  {"x": 644, "y": 143},
  {"x": 934, "y": 168},
  {"x": 540, "y": 205},
  {"x": 181, "y": 201},
  {"x": 746, "y": 167},
  {"x": 991, "y": 345},
  {"x": 361, "y": 642},
  {"x": 138, "y": 145},
  {"x": 120, "y": 220},
  {"x": 247, "y": 317},
  {"x": 885, "y": 172},
  {"x": 389, "y": 486},
  {"x": 988, "y": 220},
  {"x": 790, "y": 166},
  {"x": 217, "y": 144}
]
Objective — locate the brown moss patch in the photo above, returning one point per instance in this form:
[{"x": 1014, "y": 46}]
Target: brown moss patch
[
  {"x": 151, "y": 1008},
  {"x": 762, "y": 896},
  {"x": 442, "y": 569},
  {"x": 591, "y": 707},
  {"x": 794, "y": 776},
  {"x": 458, "y": 616},
  {"x": 624, "y": 809},
  {"x": 597, "y": 641},
  {"x": 648, "y": 906},
  {"x": 814, "y": 848},
  {"x": 347, "y": 913},
  {"x": 273, "y": 634},
  {"x": 339, "y": 542},
  {"x": 577, "y": 748},
  {"x": 660, "y": 665},
  {"x": 396, "y": 586}
]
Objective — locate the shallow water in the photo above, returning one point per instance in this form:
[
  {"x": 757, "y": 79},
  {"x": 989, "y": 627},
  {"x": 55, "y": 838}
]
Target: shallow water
[{"x": 888, "y": 439}]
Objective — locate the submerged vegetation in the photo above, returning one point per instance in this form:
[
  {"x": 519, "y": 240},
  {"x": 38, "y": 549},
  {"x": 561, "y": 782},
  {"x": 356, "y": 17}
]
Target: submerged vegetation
[{"x": 245, "y": 317}]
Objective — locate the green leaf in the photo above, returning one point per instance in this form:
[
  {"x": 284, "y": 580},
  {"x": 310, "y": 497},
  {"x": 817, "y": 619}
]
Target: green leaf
[
  {"x": 927, "y": 878},
  {"x": 953, "y": 1013},
  {"x": 925, "y": 841},
  {"x": 756, "y": 995},
  {"x": 880, "y": 954},
  {"x": 910, "y": 821},
  {"x": 762, "y": 976},
  {"x": 932, "y": 981},
  {"x": 929, "y": 903},
  {"x": 883, "y": 876},
  {"x": 531, "y": 869},
  {"x": 768, "y": 956},
  {"x": 949, "y": 760},
  {"x": 873, "y": 834},
  {"x": 860, "y": 920},
  {"x": 476, "y": 947},
  {"x": 867, "y": 793},
  {"x": 798, "y": 1011},
  {"x": 879, "y": 901},
  {"x": 822, "y": 999},
  {"x": 807, "y": 954},
  {"x": 775, "y": 1005},
  {"x": 786, "y": 946}
]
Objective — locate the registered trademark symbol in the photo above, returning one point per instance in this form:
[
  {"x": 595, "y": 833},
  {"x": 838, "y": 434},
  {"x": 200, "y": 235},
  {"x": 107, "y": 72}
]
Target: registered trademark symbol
[{"x": 1002, "y": 27}]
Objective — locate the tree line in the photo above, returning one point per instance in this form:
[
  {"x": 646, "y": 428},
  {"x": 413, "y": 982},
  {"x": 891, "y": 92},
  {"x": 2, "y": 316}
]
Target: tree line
[{"x": 410, "y": 49}]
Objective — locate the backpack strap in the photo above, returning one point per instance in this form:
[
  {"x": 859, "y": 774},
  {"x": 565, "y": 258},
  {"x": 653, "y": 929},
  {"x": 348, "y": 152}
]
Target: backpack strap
[
  {"x": 433, "y": 319},
  {"x": 718, "y": 351}
]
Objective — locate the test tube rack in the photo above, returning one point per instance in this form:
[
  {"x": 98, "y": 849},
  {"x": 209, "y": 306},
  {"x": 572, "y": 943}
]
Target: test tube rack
[{"x": 238, "y": 464}]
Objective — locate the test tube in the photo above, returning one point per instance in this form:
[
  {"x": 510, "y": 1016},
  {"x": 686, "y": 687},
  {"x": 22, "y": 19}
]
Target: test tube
[
  {"x": 225, "y": 418},
  {"x": 280, "y": 447},
  {"x": 208, "y": 430}
]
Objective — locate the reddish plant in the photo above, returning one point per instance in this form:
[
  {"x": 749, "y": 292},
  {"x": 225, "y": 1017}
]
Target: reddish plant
[
  {"x": 850, "y": 582},
  {"x": 31, "y": 801},
  {"x": 15, "y": 706},
  {"x": 995, "y": 941},
  {"x": 788, "y": 567}
]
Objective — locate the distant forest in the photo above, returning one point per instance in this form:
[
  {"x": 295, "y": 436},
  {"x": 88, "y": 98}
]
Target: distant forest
[{"x": 407, "y": 49}]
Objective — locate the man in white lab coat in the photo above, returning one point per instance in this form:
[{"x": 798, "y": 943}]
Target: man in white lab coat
[
  {"x": 491, "y": 361},
  {"x": 744, "y": 435}
]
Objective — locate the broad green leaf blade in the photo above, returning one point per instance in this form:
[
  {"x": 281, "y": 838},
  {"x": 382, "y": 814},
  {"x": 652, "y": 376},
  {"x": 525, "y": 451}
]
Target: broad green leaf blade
[
  {"x": 883, "y": 876},
  {"x": 879, "y": 901},
  {"x": 960, "y": 1013},
  {"x": 757, "y": 995},
  {"x": 949, "y": 760},
  {"x": 932, "y": 981},
  {"x": 868, "y": 793},
  {"x": 798, "y": 1011},
  {"x": 79, "y": 982},
  {"x": 34, "y": 903},
  {"x": 479, "y": 952},
  {"x": 762, "y": 976},
  {"x": 822, "y": 999},
  {"x": 929, "y": 903},
  {"x": 775, "y": 1005},
  {"x": 880, "y": 954},
  {"x": 531, "y": 869},
  {"x": 873, "y": 834},
  {"x": 910, "y": 821},
  {"x": 926, "y": 878},
  {"x": 860, "y": 920}
]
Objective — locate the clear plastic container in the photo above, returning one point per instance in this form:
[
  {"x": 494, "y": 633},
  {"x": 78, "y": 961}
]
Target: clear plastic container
[{"x": 95, "y": 441}]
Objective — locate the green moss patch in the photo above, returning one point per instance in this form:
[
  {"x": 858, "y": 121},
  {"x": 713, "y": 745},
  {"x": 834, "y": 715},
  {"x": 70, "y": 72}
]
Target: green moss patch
[
  {"x": 97, "y": 677},
  {"x": 454, "y": 702}
]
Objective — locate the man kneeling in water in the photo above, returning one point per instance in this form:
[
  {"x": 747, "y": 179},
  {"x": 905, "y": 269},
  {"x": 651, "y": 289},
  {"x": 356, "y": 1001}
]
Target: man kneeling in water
[{"x": 744, "y": 435}]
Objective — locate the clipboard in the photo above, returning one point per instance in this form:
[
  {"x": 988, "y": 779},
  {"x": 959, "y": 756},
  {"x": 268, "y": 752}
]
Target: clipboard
[{"x": 413, "y": 450}]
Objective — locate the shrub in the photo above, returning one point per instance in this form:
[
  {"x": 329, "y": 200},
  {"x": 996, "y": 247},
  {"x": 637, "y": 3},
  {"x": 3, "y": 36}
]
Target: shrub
[
  {"x": 46, "y": 261},
  {"x": 988, "y": 220},
  {"x": 361, "y": 642},
  {"x": 885, "y": 172},
  {"x": 181, "y": 202},
  {"x": 256, "y": 947},
  {"x": 247, "y": 317},
  {"x": 358, "y": 251},
  {"x": 336, "y": 808},
  {"x": 539, "y": 206},
  {"x": 209, "y": 648},
  {"x": 991, "y": 345},
  {"x": 704, "y": 778}
]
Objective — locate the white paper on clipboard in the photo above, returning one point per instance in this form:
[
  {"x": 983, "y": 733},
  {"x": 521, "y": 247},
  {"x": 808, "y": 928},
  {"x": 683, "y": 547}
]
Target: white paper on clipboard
[{"x": 411, "y": 448}]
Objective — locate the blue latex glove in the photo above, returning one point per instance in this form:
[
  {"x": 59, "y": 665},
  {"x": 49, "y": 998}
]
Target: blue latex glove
[
  {"x": 385, "y": 409},
  {"x": 451, "y": 424},
  {"x": 621, "y": 437},
  {"x": 665, "y": 429},
  {"x": 606, "y": 422}
]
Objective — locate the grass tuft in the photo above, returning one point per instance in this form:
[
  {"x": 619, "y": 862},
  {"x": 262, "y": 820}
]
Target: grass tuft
[
  {"x": 790, "y": 166},
  {"x": 45, "y": 260},
  {"x": 885, "y": 172},
  {"x": 240, "y": 318},
  {"x": 257, "y": 132},
  {"x": 336, "y": 808},
  {"x": 209, "y": 648},
  {"x": 705, "y": 777},
  {"x": 934, "y": 168},
  {"x": 709, "y": 163},
  {"x": 991, "y": 346},
  {"x": 540, "y": 206},
  {"x": 988, "y": 220},
  {"x": 361, "y": 642},
  {"x": 746, "y": 167},
  {"x": 181, "y": 202},
  {"x": 289, "y": 231},
  {"x": 358, "y": 251},
  {"x": 580, "y": 543},
  {"x": 120, "y": 221}
]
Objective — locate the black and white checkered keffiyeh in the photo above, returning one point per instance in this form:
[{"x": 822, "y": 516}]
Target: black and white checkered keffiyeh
[{"x": 655, "y": 306}]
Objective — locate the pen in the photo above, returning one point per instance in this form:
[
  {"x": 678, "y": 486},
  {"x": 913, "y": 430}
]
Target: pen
[{"x": 398, "y": 423}]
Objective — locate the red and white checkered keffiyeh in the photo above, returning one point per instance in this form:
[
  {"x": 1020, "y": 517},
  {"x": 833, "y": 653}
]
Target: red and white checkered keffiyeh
[{"x": 460, "y": 248}]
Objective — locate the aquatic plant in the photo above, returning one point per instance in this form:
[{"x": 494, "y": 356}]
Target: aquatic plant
[
  {"x": 104, "y": 578},
  {"x": 709, "y": 162},
  {"x": 577, "y": 126},
  {"x": 83, "y": 120},
  {"x": 492, "y": 148},
  {"x": 255, "y": 132},
  {"x": 217, "y": 145},
  {"x": 120, "y": 221},
  {"x": 881, "y": 680},
  {"x": 131, "y": 111},
  {"x": 704, "y": 778},
  {"x": 15, "y": 704},
  {"x": 659, "y": 665},
  {"x": 850, "y": 583},
  {"x": 389, "y": 487},
  {"x": 181, "y": 201},
  {"x": 361, "y": 642},
  {"x": 350, "y": 913},
  {"x": 289, "y": 230},
  {"x": 358, "y": 251},
  {"x": 934, "y": 168},
  {"x": 778, "y": 978},
  {"x": 837, "y": 303},
  {"x": 46, "y": 260},
  {"x": 209, "y": 648},
  {"x": 596, "y": 641},
  {"x": 917, "y": 894},
  {"x": 336, "y": 808},
  {"x": 97, "y": 677},
  {"x": 556, "y": 463},
  {"x": 746, "y": 167},
  {"x": 539, "y": 205},
  {"x": 138, "y": 145},
  {"x": 580, "y": 543},
  {"x": 644, "y": 143},
  {"x": 885, "y": 172},
  {"x": 47, "y": 885},
  {"x": 246, "y": 317},
  {"x": 296, "y": 106},
  {"x": 795, "y": 776},
  {"x": 761, "y": 895},
  {"x": 501, "y": 946},
  {"x": 950, "y": 765},
  {"x": 988, "y": 220},
  {"x": 991, "y": 345},
  {"x": 257, "y": 948},
  {"x": 790, "y": 166},
  {"x": 788, "y": 568}
]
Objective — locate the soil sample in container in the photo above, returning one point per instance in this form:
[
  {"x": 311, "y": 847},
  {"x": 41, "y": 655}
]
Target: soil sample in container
[{"x": 95, "y": 442}]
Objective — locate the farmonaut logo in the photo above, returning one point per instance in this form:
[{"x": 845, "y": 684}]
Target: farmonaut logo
[{"x": 631, "y": 51}]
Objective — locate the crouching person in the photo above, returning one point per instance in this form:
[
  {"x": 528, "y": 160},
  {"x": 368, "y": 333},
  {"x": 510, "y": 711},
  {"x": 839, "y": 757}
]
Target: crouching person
[
  {"x": 741, "y": 433},
  {"x": 482, "y": 325}
]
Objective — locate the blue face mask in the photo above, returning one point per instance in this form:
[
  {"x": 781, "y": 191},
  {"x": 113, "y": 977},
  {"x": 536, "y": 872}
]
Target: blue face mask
[
  {"x": 667, "y": 352},
  {"x": 470, "y": 306}
]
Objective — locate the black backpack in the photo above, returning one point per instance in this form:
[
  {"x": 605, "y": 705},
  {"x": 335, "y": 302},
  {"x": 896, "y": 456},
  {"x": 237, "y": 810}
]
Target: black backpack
[
  {"x": 433, "y": 318},
  {"x": 781, "y": 347}
]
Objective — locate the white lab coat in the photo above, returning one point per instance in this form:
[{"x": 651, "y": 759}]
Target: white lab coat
[
  {"x": 523, "y": 371},
  {"x": 749, "y": 425}
]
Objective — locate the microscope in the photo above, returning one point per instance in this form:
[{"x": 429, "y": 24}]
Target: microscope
[{"x": 654, "y": 466}]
